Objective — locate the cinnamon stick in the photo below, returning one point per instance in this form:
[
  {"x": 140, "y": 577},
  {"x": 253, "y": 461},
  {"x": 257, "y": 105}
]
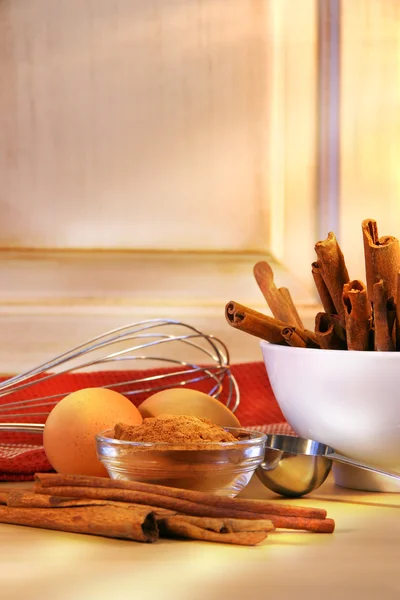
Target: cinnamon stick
[
  {"x": 312, "y": 525},
  {"x": 106, "y": 521},
  {"x": 22, "y": 498},
  {"x": 266, "y": 328},
  {"x": 176, "y": 527},
  {"x": 382, "y": 259},
  {"x": 49, "y": 480},
  {"x": 291, "y": 336},
  {"x": 333, "y": 270},
  {"x": 189, "y": 502},
  {"x": 228, "y": 525},
  {"x": 299, "y": 338},
  {"x": 323, "y": 292},
  {"x": 285, "y": 293},
  {"x": 135, "y": 497},
  {"x": 279, "y": 300},
  {"x": 26, "y": 499},
  {"x": 398, "y": 313},
  {"x": 254, "y": 323},
  {"x": 326, "y": 333},
  {"x": 4, "y": 495},
  {"x": 358, "y": 315},
  {"x": 273, "y": 522},
  {"x": 391, "y": 312},
  {"x": 138, "y": 497},
  {"x": 193, "y": 508},
  {"x": 383, "y": 341},
  {"x": 339, "y": 327}
]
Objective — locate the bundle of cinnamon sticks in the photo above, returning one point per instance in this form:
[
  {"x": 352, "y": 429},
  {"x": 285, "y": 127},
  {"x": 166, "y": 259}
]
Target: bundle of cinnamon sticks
[
  {"x": 144, "y": 512},
  {"x": 355, "y": 316}
]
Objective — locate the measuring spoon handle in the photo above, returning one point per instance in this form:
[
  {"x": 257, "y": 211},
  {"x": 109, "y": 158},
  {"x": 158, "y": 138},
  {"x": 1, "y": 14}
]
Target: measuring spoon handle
[{"x": 355, "y": 463}]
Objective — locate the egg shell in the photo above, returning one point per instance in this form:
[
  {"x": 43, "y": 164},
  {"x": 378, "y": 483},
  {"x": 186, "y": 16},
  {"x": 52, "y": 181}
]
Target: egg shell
[
  {"x": 186, "y": 401},
  {"x": 71, "y": 427}
]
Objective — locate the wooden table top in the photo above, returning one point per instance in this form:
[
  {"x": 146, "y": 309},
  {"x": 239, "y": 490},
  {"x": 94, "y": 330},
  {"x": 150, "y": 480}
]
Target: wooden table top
[{"x": 360, "y": 560}]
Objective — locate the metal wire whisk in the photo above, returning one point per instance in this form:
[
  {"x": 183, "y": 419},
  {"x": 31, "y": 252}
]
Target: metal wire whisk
[{"x": 142, "y": 341}]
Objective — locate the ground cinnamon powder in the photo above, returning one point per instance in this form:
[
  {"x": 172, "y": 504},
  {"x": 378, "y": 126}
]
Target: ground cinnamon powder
[{"x": 179, "y": 429}]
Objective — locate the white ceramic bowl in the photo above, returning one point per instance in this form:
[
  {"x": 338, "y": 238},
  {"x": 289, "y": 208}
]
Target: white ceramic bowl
[{"x": 348, "y": 400}]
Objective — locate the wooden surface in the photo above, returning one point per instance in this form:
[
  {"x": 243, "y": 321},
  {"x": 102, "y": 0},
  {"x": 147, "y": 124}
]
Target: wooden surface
[{"x": 360, "y": 560}]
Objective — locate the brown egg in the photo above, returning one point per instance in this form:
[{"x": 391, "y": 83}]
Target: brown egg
[
  {"x": 184, "y": 401},
  {"x": 71, "y": 427}
]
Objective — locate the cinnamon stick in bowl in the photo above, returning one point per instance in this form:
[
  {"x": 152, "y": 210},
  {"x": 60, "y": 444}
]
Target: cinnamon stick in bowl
[
  {"x": 382, "y": 259},
  {"x": 398, "y": 313},
  {"x": 262, "y": 326},
  {"x": 254, "y": 323},
  {"x": 323, "y": 292},
  {"x": 291, "y": 336},
  {"x": 383, "y": 341},
  {"x": 279, "y": 300},
  {"x": 333, "y": 271},
  {"x": 358, "y": 315},
  {"x": 391, "y": 313},
  {"x": 326, "y": 333},
  {"x": 299, "y": 338}
]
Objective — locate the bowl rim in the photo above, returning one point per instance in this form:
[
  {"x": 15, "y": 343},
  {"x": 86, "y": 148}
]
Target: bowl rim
[
  {"x": 257, "y": 437},
  {"x": 294, "y": 350}
]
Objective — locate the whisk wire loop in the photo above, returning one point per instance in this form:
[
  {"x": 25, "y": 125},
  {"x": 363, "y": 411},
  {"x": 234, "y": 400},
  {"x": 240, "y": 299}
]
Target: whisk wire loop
[{"x": 148, "y": 337}]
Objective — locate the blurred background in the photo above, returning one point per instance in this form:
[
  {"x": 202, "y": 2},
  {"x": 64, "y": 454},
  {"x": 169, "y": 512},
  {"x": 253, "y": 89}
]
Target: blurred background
[{"x": 152, "y": 152}]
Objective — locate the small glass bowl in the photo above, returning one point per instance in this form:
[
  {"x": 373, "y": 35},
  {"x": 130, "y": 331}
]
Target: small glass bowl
[{"x": 222, "y": 468}]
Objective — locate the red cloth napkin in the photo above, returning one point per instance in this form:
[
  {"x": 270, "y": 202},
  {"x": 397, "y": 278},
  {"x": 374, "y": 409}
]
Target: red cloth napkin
[{"x": 21, "y": 454}]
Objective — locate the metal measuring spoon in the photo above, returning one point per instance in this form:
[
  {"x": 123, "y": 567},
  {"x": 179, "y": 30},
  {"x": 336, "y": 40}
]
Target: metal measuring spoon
[{"x": 294, "y": 466}]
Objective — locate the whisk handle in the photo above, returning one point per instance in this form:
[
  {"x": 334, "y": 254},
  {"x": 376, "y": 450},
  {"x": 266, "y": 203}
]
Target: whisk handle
[{"x": 22, "y": 427}]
